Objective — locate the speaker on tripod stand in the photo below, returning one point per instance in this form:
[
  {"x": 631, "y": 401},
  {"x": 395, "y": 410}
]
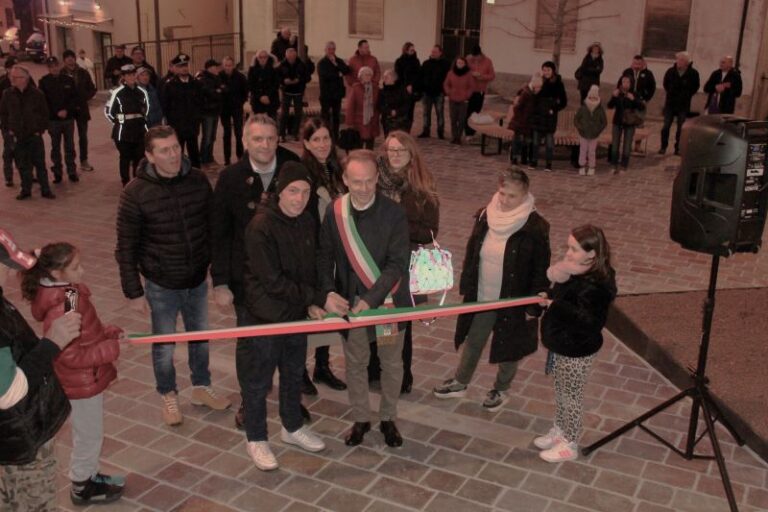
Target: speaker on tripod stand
[{"x": 719, "y": 201}]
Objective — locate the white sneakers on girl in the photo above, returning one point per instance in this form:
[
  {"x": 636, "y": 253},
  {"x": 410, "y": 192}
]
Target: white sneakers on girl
[
  {"x": 561, "y": 452},
  {"x": 583, "y": 171},
  {"x": 550, "y": 439}
]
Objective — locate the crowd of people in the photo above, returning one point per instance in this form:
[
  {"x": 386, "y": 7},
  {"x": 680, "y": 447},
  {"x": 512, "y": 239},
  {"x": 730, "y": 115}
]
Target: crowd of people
[{"x": 286, "y": 237}]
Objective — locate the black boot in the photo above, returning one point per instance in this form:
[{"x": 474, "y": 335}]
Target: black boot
[
  {"x": 325, "y": 375},
  {"x": 391, "y": 435},
  {"x": 92, "y": 492},
  {"x": 407, "y": 385},
  {"x": 424, "y": 135},
  {"x": 440, "y": 134},
  {"x": 357, "y": 432},
  {"x": 307, "y": 388}
]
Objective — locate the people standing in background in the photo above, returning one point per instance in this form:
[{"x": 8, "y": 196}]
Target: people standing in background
[
  {"x": 681, "y": 82},
  {"x": 87, "y": 64},
  {"x": 588, "y": 74},
  {"x": 520, "y": 121},
  {"x": 459, "y": 86},
  {"x": 590, "y": 121},
  {"x": 211, "y": 93},
  {"x": 408, "y": 70},
  {"x": 114, "y": 65},
  {"x": 154, "y": 115},
  {"x": 126, "y": 109},
  {"x": 723, "y": 87},
  {"x": 181, "y": 98},
  {"x": 234, "y": 95},
  {"x": 481, "y": 68},
  {"x": 139, "y": 60},
  {"x": 626, "y": 118},
  {"x": 433, "y": 73},
  {"x": 363, "y": 107},
  {"x": 264, "y": 84},
  {"x": 282, "y": 42},
  {"x": 86, "y": 90},
  {"x": 331, "y": 71},
  {"x": 62, "y": 98},
  {"x": 550, "y": 100},
  {"x": 363, "y": 58}
]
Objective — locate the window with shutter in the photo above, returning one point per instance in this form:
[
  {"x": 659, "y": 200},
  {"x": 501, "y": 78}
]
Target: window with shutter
[
  {"x": 547, "y": 24},
  {"x": 666, "y": 27},
  {"x": 366, "y": 18},
  {"x": 286, "y": 14}
]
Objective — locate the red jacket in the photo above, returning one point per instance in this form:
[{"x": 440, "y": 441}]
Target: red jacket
[
  {"x": 484, "y": 66},
  {"x": 354, "y": 117},
  {"x": 358, "y": 61},
  {"x": 84, "y": 367},
  {"x": 459, "y": 88}
]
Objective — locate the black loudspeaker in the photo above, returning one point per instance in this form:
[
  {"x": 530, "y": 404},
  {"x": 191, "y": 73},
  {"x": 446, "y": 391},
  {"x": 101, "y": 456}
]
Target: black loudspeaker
[{"x": 720, "y": 194}]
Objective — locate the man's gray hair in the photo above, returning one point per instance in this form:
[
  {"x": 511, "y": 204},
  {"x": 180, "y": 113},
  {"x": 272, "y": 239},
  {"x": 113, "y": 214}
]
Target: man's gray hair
[
  {"x": 262, "y": 119},
  {"x": 683, "y": 55},
  {"x": 363, "y": 70},
  {"x": 21, "y": 68},
  {"x": 361, "y": 155}
]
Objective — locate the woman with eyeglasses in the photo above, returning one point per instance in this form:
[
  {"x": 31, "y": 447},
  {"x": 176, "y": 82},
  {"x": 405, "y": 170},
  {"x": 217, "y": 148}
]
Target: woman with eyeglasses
[{"x": 404, "y": 178}]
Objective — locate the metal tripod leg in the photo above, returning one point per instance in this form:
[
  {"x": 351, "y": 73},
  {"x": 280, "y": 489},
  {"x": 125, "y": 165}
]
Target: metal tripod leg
[{"x": 705, "y": 405}]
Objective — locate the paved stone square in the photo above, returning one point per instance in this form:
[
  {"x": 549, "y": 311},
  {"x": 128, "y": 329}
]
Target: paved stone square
[{"x": 456, "y": 457}]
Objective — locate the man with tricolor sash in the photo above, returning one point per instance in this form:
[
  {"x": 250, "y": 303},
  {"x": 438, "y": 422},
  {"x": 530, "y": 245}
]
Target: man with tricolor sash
[{"x": 363, "y": 264}]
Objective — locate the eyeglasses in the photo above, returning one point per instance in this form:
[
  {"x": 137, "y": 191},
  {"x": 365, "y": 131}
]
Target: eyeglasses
[{"x": 398, "y": 151}]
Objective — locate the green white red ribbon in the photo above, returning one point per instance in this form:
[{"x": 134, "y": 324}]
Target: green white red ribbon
[{"x": 371, "y": 317}]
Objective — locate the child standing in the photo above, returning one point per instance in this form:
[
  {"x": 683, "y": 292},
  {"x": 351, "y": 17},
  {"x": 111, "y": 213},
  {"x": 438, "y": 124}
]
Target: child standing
[
  {"x": 590, "y": 121},
  {"x": 519, "y": 116},
  {"x": 85, "y": 366},
  {"x": 584, "y": 287}
]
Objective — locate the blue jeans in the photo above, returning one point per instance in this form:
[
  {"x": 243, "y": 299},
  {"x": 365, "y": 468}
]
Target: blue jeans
[
  {"x": 521, "y": 149},
  {"x": 549, "y": 148},
  {"x": 58, "y": 130},
  {"x": 256, "y": 359},
  {"x": 679, "y": 118},
  {"x": 210, "y": 123},
  {"x": 628, "y": 133},
  {"x": 297, "y": 100},
  {"x": 166, "y": 305},
  {"x": 439, "y": 102}
]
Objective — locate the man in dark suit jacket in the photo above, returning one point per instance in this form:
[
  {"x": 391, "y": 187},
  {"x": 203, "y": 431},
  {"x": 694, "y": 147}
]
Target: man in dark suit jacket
[
  {"x": 723, "y": 87},
  {"x": 242, "y": 190}
]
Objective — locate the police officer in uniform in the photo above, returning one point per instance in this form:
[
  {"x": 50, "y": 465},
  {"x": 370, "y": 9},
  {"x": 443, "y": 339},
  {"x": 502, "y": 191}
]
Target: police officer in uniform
[
  {"x": 182, "y": 97},
  {"x": 126, "y": 109}
]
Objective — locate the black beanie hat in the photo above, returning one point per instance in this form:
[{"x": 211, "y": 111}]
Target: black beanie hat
[
  {"x": 551, "y": 65},
  {"x": 68, "y": 53},
  {"x": 290, "y": 172}
]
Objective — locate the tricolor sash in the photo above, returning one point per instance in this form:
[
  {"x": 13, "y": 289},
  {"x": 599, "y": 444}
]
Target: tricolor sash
[{"x": 361, "y": 260}]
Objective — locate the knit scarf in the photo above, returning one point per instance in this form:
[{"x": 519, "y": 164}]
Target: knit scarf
[
  {"x": 592, "y": 103},
  {"x": 392, "y": 184},
  {"x": 504, "y": 224},
  {"x": 367, "y": 103}
]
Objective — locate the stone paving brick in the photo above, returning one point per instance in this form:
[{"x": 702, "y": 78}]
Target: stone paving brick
[
  {"x": 363, "y": 457},
  {"x": 655, "y": 493},
  {"x": 517, "y": 500},
  {"x": 529, "y": 460},
  {"x": 403, "y": 469},
  {"x": 400, "y": 492},
  {"x": 269, "y": 480},
  {"x": 546, "y": 486},
  {"x": 449, "y": 439},
  {"x": 218, "y": 488},
  {"x": 136, "y": 485},
  {"x": 669, "y": 476},
  {"x": 480, "y": 491},
  {"x": 343, "y": 501},
  {"x": 456, "y": 462},
  {"x": 598, "y": 500},
  {"x": 199, "y": 504},
  {"x": 686, "y": 501},
  {"x": 348, "y": 477},
  {"x": 616, "y": 482},
  {"x": 297, "y": 506},
  {"x": 229, "y": 464},
  {"x": 503, "y": 475},
  {"x": 181, "y": 475},
  {"x": 443, "y": 481},
  {"x": 382, "y": 506},
  {"x": 297, "y": 461},
  {"x": 163, "y": 497},
  {"x": 256, "y": 500},
  {"x": 757, "y": 497},
  {"x": 303, "y": 488},
  {"x": 445, "y": 503},
  {"x": 644, "y": 506}
]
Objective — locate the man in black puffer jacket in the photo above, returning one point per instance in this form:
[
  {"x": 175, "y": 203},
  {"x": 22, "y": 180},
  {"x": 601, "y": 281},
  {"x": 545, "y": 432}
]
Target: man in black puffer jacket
[
  {"x": 163, "y": 234},
  {"x": 211, "y": 88},
  {"x": 33, "y": 405}
]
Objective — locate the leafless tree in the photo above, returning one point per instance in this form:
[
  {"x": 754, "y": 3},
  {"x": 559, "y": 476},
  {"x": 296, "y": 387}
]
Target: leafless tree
[
  {"x": 562, "y": 16},
  {"x": 300, "y": 7}
]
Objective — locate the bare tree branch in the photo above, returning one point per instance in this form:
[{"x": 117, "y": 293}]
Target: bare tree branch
[
  {"x": 294, "y": 5},
  {"x": 518, "y": 36},
  {"x": 577, "y": 6},
  {"x": 596, "y": 18}
]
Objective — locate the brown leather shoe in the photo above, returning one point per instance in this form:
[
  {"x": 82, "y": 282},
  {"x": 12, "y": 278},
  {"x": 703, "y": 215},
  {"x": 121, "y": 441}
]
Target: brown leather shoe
[{"x": 240, "y": 418}]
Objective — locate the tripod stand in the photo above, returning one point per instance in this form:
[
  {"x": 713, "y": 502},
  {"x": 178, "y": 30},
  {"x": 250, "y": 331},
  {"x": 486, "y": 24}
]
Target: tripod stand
[{"x": 701, "y": 399}]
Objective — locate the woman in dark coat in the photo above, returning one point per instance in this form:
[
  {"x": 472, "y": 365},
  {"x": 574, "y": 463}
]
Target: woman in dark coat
[
  {"x": 264, "y": 85},
  {"x": 507, "y": 256},
  {"x": 394, "y": 104},
  {"x": 550, "y": 100},
  {"x": 408, "y": 69},
  {"x": 625, "y": 120},
  {"x": 588, "y": 74},
  {"x": 521, "y": 112}
]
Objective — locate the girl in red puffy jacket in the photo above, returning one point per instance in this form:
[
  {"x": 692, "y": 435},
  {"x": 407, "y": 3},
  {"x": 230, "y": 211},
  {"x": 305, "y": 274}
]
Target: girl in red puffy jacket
[{"x": 85, "y": 366}]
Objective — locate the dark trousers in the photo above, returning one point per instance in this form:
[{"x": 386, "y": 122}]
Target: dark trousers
[
  {"x": 475, "y": 104},
  {"x": 131, "y": 154},
  {"x": 521, "y": 149},
  {"x": 210, "y": 123},
  {"x": 330, "y": 111},
  {"x": 679, "y": 117},
  {"x": 30, "y": 153},
  {"x": 622, "y": 137},
  {"x": 285, "y": 116},
  {"x": 260, "y": 108},
  {"x": 411, "y": 109},
  {"x": 229, "y": 121},
  {"x": 549, "y": 148},
  {"x": 256, "y": 361},
  {"x": 188, "y": 141},
  {"x": 82, "y": 138},
  {"x": 58, "y": 130},
  {"x": 427, "y": 102},
  {"x": 8, "y": 148}
]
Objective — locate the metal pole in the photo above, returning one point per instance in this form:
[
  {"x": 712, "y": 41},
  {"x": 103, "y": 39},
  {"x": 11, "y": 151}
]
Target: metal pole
[
  {"x": 158, "y": 53},
  {"x": 138, "y": 18},
  {"x": 741, "y": 33}
]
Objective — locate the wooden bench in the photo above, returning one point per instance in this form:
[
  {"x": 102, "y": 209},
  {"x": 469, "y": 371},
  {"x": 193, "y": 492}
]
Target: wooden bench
[
  {"x": 493, "y": 131},
  {"x": 566, "y": 133}
]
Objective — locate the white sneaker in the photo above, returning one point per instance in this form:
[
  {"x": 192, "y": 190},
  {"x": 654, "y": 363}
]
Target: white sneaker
[
  {"x": 583, "y": 171},
  {"x": 591, "y": 171},
  {"x": 262, "y": 455},
  {"x": 494, "y": 400},
  {"x": 550, "y": 439},
  {"x": 561, "y": 452},
  {"x": 303, "y": 438}
]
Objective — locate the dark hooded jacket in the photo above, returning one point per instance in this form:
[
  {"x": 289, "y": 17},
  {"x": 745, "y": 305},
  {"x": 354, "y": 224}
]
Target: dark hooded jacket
[
  {"x": 36, "y": 418},
  {"x": 550, "y": 100},
  {"x": 163, "y": 229},
  {"x": 680, "y": 89},
  {"x": 264, "y": 81}
]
